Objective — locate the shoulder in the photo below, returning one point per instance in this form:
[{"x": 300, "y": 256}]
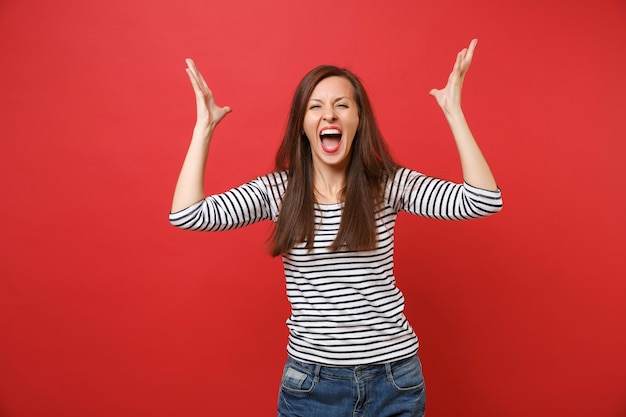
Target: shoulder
[
  {"x": 401, "y": 176},
  {"x": 274, "y": 179},
  {"x": 274, "y": 185}
]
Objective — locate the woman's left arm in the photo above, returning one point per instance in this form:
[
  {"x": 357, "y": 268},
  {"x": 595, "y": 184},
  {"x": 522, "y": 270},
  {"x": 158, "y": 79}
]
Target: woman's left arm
[{"x": 476, "y": 171}]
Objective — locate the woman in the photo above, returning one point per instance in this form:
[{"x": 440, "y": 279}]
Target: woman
[{"x": 334, "y": 197}]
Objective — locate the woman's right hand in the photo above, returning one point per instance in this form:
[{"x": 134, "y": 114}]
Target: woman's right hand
[{"x": 209, "y": 114}]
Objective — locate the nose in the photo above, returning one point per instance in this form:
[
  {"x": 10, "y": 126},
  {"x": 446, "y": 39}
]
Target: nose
[{"x": 329, "y": 113}]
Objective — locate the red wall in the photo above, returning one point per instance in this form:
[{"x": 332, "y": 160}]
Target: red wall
[{"x": 106, "y": 310}]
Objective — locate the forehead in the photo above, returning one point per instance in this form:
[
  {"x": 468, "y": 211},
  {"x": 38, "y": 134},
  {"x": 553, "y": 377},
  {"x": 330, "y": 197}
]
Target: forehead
[{"x": 333, "y": 87}]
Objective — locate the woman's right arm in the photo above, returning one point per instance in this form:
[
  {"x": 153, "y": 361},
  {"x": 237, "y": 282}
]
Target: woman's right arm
[{"x": 190, "y": 185}]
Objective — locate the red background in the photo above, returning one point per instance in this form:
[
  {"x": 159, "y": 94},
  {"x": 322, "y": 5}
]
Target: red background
[{"x": 106, "y": 310}]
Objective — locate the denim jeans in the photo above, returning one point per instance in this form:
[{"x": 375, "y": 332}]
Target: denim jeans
[{"x": 393, "y": 389}]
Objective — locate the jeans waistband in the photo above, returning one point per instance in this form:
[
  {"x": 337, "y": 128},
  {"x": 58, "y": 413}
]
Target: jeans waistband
[{"x": 348, "y": 371}]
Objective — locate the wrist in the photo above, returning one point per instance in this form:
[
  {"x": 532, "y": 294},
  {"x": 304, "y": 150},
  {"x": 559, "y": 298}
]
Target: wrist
[
  {"x": 454, "y": 114},
  {"x": 204, "y": 128},
  {"x": 202, "y": 133}
]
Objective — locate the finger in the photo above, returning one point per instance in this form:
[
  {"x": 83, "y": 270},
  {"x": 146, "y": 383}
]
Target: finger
[
  {"x": 191, "y": 66},
  {"x": 192, "y": 71},
  {"x": 200, "y": 80},
  {"x": 456, "y": 69},
  {"x": 194, "y": 82},
  {"x": 471, "y": 47},
  {"x": 192, "y": 78},
  {"x": 470, "y": 53}
]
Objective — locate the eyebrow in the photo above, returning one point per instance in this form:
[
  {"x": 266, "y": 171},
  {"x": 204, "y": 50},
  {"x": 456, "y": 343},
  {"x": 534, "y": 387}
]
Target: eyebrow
[{"x": 335, "y": 100}]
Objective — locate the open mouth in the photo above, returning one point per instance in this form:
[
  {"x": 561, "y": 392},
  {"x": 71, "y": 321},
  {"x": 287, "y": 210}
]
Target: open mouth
[{"x": 331, "y": 139}]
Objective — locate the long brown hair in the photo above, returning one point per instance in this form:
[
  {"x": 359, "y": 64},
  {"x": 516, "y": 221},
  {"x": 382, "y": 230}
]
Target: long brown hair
[{"x": 369, "y": 164}]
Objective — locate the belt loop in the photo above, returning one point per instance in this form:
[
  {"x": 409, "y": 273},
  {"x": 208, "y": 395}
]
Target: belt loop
[
  {"x": 318, "y": 368},
  {"x": 388, "y": 371}
]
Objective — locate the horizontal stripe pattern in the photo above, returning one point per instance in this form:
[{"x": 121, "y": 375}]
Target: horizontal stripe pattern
[{"x": 345, "y": 306}]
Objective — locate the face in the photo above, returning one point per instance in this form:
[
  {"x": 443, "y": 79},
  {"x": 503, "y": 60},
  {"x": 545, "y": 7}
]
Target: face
[{"x": 331, "y": 121}]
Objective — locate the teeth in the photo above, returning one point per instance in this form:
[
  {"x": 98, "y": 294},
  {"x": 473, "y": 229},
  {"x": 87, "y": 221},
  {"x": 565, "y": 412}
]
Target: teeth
[{"x": 331, "y": 132}]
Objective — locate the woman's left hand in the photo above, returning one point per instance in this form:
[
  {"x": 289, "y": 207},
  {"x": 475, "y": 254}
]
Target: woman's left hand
[{"x": 449, "y": 98}]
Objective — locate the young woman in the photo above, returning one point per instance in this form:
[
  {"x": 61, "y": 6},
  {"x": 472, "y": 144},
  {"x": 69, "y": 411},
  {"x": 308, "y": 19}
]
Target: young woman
[{"x": 334, "y": 198}]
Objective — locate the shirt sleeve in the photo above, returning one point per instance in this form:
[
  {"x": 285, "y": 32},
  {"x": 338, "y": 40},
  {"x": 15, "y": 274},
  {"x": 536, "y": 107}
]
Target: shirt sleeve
[
  {"x": 426, "y": 196},
  {"x": 238, "y": 207}
]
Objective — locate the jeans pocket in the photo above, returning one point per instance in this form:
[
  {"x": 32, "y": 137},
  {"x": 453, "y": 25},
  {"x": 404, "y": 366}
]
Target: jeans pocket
[
  {"x": 406, "y": 375},
  {"x": 297, "y": 381}
]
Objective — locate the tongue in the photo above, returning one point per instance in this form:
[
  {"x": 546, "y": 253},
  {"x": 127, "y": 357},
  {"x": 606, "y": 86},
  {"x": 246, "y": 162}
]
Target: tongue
[{"x": 330, "y": 144}]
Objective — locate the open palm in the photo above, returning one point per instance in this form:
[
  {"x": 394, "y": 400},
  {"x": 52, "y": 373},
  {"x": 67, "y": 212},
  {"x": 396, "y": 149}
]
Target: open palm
[
  {"x": 449, "y": 98},
  {"x": 208, "y": 112}
]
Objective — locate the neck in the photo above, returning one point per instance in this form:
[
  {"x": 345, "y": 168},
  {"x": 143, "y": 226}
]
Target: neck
[{"x": 328, "y": 183}]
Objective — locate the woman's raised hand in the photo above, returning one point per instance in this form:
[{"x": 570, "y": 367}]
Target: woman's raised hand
[
  {"x": 190, "y": 186},
  {"x": 475, "y": 168},
  {"x": 209, "y": 114},
  {"x": 449, "y": 98}
]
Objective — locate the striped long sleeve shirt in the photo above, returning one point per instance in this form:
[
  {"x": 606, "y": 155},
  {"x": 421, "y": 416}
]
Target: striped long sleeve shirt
[{"x": 345, "y": 306}]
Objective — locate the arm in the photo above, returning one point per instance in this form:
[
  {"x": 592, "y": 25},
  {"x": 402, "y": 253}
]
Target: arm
[
  {"x": 238, "y": 207},
  {"x": 476, "y": 171},
  {"x": 190, "y": 186},
  {"x": 416, "y": 193}
]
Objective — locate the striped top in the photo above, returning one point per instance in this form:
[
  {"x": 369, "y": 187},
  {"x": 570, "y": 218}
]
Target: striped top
[{"x": 345, "y": 307}]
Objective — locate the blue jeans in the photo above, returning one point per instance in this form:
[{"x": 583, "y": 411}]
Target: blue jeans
[{"x": 393, "y": 389}]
